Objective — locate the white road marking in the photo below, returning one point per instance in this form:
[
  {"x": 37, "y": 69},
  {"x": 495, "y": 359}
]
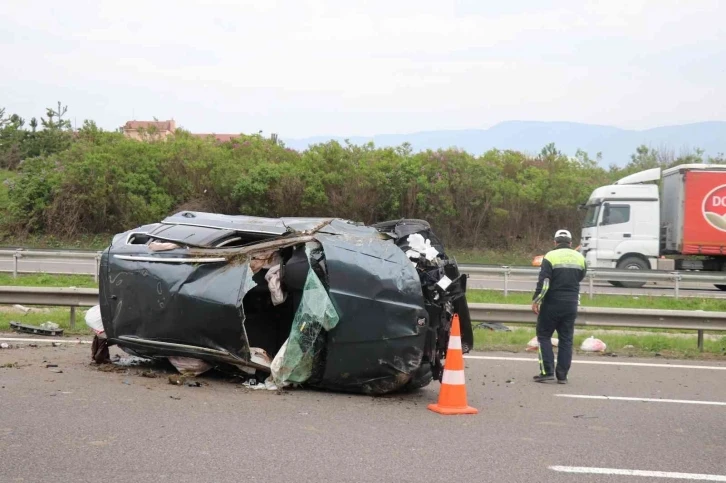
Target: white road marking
[
  {"x": 605, "y": 363},
  {"x": 642, "y": 399},
  {"x": 651, "y": 474}
]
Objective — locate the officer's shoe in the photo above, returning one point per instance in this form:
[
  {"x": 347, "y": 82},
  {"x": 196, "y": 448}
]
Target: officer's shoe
[
  {"x": 543, "y": 378},
  {"x": 562, "y": 381}
]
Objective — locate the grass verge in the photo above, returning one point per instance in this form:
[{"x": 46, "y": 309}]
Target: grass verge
[
  {"x": 682, "y": 346},
  {"x": 616, "y": 301},
  {"x": 45, "y": 280},
  {"x": 517, "y": 256}
]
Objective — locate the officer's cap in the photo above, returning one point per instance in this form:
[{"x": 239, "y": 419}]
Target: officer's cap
[{"x": 563, "y": 235}]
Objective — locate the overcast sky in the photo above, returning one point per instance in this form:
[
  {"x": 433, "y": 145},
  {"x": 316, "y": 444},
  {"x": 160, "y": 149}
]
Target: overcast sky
[{"x": 337, "y": 67}]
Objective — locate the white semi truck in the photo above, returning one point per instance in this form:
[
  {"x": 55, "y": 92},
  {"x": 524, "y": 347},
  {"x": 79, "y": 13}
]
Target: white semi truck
[{"x": 636, "y": 222}]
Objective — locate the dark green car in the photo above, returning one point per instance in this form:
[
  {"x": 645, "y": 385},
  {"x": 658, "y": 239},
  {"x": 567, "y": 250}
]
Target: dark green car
[{"x": 320, "y": 302}]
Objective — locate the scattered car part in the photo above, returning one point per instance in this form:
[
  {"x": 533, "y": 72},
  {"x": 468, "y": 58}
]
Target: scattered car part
[{"x": 35, "y": 329}]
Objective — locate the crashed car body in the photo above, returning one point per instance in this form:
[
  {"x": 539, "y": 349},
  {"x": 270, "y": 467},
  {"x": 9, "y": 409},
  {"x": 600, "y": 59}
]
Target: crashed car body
[{"x": 322, "y": 302}]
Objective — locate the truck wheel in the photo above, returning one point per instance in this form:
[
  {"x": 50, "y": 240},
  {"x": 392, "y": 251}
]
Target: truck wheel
[{"x": 631, "y": 263}]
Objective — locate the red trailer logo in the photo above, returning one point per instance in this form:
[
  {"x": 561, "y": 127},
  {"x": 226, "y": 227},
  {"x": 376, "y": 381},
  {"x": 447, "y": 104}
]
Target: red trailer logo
[{"x": 714, "y": 208}]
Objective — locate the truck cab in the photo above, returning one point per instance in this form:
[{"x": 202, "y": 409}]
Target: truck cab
[{"x": 622, "y": 224}]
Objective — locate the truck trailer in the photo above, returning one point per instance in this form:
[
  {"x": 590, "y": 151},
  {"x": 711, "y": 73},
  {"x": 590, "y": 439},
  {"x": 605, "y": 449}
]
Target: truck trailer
[{"x": 640, "y": 224}]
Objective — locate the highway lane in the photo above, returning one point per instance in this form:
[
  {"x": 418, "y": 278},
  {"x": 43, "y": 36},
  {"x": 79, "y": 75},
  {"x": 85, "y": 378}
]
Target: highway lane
[{"x": 84, "y": 425}]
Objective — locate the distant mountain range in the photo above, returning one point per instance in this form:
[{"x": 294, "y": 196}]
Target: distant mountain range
[{"x": 615, "y": 144}]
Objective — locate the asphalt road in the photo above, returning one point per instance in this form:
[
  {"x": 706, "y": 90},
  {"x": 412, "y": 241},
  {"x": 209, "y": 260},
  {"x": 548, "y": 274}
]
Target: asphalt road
[{"x": 84, "y": 425}]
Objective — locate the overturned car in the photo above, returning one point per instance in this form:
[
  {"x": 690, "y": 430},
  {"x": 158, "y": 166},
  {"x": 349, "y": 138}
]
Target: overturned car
[{"x": 326, "y": 303}]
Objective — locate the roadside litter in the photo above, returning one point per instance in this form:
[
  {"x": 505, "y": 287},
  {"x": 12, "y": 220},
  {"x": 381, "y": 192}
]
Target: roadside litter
[
  {"x": 495, "y": 326},
  {"x": 533, "y": 344},
  {"x": 591, "y": 344}
]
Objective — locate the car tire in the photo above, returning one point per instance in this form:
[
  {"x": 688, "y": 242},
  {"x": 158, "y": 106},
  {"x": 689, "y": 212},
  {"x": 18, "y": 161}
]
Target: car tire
[{"x": 631, "y": 263}]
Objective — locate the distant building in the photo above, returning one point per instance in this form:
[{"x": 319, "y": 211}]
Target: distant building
[
  {"x": 146, "y": 129},
  {"x": 141, "y": 130}
]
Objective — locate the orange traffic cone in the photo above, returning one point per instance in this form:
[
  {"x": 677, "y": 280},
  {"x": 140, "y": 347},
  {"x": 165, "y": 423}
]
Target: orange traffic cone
[{"x": 452, "y": 398}]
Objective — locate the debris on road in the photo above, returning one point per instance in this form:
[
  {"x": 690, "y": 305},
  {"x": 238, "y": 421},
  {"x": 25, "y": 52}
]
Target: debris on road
[
  {"x": 47, "y": 328},
  {"x": 328, "y": 303},
  {"x": 190, "y": 366},
  {"x": 99, "y": 347},
  {"x": 177, "y": 380},
  {"x": 4, "y": 345}
]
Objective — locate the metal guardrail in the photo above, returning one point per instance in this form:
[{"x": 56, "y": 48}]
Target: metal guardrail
[
  {"x": 592, "y": 316},
  {"x": 604, "y": 275},
  {"x": 698, "y": 320},
  {"x": 17, "y": 255},
  {"x": 50, "y": 296},
  {"x": 506, "y": 272}
]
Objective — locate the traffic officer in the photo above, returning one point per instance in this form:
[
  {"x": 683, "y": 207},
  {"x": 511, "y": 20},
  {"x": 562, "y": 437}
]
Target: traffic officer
[{"x": 555, "y": 302}]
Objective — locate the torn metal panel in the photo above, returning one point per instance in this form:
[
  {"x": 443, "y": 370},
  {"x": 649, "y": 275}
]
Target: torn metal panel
[
  {"x": 195, "y": 305},
  {"x": 382, "y": 331}
]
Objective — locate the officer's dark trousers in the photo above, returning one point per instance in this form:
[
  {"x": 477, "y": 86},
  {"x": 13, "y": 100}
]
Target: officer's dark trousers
[{"x": 556, "y": 315}]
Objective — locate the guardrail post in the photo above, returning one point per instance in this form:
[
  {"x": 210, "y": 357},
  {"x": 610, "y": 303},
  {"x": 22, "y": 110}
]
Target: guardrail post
[
  {"x": 700, "y": 340},
  {"x": 591, "y": 277},
  {"x": 16, "y": 255},
  {"x": 677, "y": 286},
  {"x": 73, "y": 317},
  {"x": 506, "y": 281},
  {"x": 98, "y": 267}
]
